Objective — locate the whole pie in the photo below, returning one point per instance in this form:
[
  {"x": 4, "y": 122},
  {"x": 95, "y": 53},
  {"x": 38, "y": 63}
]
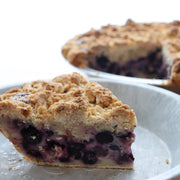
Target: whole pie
[
  {"x": 68, "y": 122},
  {"x": 145, "y": 50}
]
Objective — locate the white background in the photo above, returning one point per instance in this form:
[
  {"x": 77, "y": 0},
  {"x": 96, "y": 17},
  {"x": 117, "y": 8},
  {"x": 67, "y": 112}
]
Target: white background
[{"x": 33, "y": 32}]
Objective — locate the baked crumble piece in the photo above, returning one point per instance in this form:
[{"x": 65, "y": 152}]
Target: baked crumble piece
[
  {"x": 145, "y": 50},
  {"x": 68, "y": 122}
]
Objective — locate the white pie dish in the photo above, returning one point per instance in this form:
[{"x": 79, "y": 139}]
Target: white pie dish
[
  {"x": 156, "y": 148},
  {"x": 166, "y": 84},
  {"x": 163, "y": 83}
]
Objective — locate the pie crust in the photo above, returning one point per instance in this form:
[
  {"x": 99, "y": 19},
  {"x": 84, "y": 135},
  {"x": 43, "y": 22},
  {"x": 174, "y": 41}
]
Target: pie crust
[{"x": 68, "y": 122}]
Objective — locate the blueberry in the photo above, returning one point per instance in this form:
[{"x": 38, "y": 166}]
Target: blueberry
[
  {"x": 74, "y": 149},
  {"x": 125, "y": 158},
  {"x": 34, "y": 153},
  {"x": 64, "y": 159},
  {"x": 163, "y": 73},
  {"x": 77, "y": 146},
  {"x": 104, "y": 137},
  {"x": 89, "y": 157},
  {"x": 112, "y": 68},
  {"x": 129, "y": 74},
  {"x": 125, "y": 136},
  {"x": 157, "y": 64},
  {"x": 100, "y": 151},
  {"x": 140, "y": 60},
  {"x": 51, "y": 144},
  {"x": 123, "y": 68},
  {"x": 88, "y": 142},
  {"x": 102, "y": 61},
  {"x": 25, "y": 144},
  {"x": 18, "y": 123},
  {"x": 130, "y": 65},
  {"x": 143, "y": 68},
  {"x": 49, "y": 133},
  {"x": 152, "y": 56},
  {"x": 114, "y": 147},
  {"x": 31, "y": 135},
  {"x": 77, "y": 155}
]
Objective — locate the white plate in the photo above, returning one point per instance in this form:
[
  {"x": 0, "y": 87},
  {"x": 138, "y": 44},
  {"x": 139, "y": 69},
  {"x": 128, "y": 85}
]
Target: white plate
[{"x": 156, "y": 148}]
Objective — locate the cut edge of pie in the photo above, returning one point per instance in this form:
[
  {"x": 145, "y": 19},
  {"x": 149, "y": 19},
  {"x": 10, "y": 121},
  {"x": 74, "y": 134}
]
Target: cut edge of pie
[{"x": 68, "y": 122}]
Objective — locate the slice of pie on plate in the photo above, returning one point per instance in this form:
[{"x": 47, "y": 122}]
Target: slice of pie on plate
[{"x": 68, "y": 122}]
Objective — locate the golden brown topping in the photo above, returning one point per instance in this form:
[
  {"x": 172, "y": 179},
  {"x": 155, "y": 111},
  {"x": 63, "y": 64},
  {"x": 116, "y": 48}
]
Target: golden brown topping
[
  {"x": 173, "y": 31},
  {"x": 130, "y": 22},
  {"x": 176, "y": 23},
  {"x": 67, "y": 99}
]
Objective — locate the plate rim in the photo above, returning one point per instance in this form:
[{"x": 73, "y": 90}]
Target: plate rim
[{"x": 101, "y": 74}]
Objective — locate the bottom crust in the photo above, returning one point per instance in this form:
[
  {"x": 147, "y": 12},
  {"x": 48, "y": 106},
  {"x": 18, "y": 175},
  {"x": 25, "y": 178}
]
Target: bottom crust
[
  {"x": 128, "y": 167},
  {"x": 79, "y": 165}
]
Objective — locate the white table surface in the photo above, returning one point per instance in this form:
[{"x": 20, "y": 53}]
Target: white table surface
[{"x": 33, "y": 32}]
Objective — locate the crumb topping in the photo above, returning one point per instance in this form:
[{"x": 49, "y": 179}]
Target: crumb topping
[{"x": 67, "y": 102}]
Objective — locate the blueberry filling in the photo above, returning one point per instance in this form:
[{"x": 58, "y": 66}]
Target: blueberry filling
[
  {"x": 49, "y": 133},
  {"x": 34, "y": 153},
  {"x": 74, "y": 149},
  {"x": 126, "y": 136},
  {"x": 89, "y": 157},
  {"x": 52, "y": 143},
  {"x": 31, "y": 135},
  {"x": 151, "y": 66},
  {"x": 125, "y": 158},
  {"x": 104, "y": 137},
  {"x": 102, "y": 152},
  {"x": 102, "y": 61},
  {"x": 43, "y": 144},
  {"x": 64, "y": 159},
  {"x": 114, "y": 147}
]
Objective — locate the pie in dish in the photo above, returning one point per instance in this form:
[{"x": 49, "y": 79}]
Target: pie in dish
[
  {"x": 145, "y": 50},
  {"x": 68, "y": 122}
]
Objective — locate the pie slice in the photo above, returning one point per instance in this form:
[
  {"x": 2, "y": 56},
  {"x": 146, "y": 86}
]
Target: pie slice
[
  {"x": 145, "y": 50},
  {"x": 68, "y": 122}
]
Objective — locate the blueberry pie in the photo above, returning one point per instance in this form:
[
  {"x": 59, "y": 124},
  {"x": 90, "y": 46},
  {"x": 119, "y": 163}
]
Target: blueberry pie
[
  {"x": 145, "y": 50},
  {"x": 68, "y": 122}
]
